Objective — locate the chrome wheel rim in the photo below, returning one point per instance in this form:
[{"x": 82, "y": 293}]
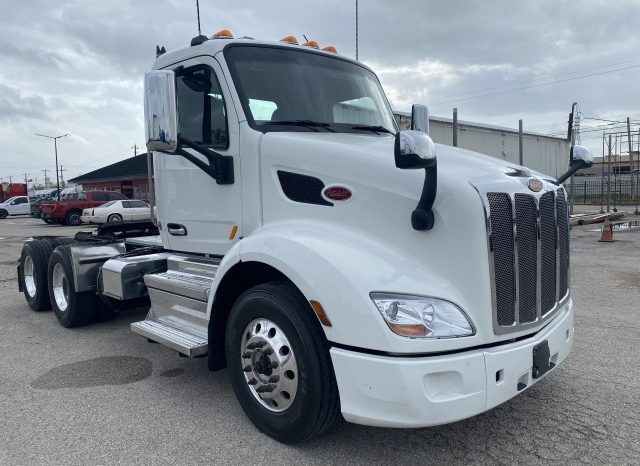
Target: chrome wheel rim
[
  {"x": 74, "y": 219},
  {"x": 269, "y": 365},
  {"x": 60, "y": 286},
  {"x": 29, "y": 279}
]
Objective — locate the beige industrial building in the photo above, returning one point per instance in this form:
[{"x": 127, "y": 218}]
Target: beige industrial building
[{"x": 546, "y": 154}]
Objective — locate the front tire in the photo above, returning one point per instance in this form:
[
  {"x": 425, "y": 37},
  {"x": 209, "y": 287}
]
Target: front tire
[
  {"x": 72, "y": 308},
  {"x": 3, "y": 214},
  {"x": 113, "y": 218},
  {"x": 73, "y": 218},
  {"x": 34, "y": 261},
  {"x": 279, "y": 364}
]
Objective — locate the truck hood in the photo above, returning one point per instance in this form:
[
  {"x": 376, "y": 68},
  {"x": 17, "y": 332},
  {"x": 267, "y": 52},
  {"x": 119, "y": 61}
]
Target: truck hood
[{"x": 370, "y": 155}]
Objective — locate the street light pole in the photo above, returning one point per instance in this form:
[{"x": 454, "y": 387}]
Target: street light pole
[{"x": 55, "y": 147}]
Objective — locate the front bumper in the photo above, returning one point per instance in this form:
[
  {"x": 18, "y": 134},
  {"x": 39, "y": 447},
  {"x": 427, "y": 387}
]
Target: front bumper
[{"x": 425, "y": 391}]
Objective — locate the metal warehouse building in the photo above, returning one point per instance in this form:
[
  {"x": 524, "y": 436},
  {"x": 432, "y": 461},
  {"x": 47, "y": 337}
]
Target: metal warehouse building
[{"x": 546, "y": 154}]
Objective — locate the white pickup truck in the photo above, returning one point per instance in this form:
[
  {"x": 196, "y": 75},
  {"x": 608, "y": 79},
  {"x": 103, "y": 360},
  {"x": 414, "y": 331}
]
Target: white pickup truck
[
  {"x": 335, "y": 265},
  {"x": 17, "y": 205}
]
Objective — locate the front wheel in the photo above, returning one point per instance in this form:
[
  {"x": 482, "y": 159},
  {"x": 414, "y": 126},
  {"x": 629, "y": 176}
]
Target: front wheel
[
  {"x": 3, "y": 214},
  {"x": 279, "y": 364},
  {"x": 73, "y": 218},
  {"x": 72, "y": 308},
  {"x": 114, "y": 218}
]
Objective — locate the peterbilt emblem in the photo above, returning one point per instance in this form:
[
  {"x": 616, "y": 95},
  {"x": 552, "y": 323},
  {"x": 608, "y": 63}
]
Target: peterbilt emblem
[
  {"x": 337, "y": 193},
  {"x": 535, "y": 185}
]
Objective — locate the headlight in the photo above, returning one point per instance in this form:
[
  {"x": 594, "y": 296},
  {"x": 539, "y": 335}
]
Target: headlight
[{"x": 420, "y": 317}]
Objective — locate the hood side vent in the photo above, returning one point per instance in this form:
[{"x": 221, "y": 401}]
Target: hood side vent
[{"x": 302, "y": 188}]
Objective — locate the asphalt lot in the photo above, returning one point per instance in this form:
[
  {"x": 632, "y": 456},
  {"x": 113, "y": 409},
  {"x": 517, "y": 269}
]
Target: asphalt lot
[{"x": 102, "y": 395}]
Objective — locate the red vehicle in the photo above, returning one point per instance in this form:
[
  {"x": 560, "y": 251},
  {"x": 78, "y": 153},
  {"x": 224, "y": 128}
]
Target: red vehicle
[
  {"x": 67, "y": 211},
  {"x": 12, "y": 189}
]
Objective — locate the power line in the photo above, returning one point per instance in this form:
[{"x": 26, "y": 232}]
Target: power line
[
  {"x": 535, "y": 85},
  {"x": 540, "y": 78}
]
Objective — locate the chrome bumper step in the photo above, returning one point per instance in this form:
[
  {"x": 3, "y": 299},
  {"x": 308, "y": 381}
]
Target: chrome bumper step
[{"x": 179, "y": 340}]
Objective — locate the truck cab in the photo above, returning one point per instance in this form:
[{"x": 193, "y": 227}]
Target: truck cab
[{"x": 335, "y": 265}]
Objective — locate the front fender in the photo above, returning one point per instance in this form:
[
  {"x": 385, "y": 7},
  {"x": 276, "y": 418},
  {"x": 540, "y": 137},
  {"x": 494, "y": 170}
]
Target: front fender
[{"x": 339, "y": 268}]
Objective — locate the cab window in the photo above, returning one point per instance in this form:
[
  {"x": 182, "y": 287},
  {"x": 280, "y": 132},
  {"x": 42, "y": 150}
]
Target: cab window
[{"x": 202, "y": 115}]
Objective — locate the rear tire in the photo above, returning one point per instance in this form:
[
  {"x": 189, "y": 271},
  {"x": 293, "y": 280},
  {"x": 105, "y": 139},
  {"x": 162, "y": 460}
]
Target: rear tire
[
  {"x": 73, "y": 218},
  {"x": 48, "y": 221},
  {"x": 34, "y": 262},
  {"x": 72, "y": 308},
  {"x": 113, "y": 218},
  {"x": 3, "y": 214},
  {"x": 279, "y": 364}
]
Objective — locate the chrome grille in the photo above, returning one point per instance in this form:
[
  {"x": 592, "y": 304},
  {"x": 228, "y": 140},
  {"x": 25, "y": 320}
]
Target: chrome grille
[
  {"x": 548, "y": 233},
  {"x": 527, "y": 241},
  {"x": 529, "y": 256},
  {"x": 563, "y": 243},
  {"x": 502, "y": 245}
]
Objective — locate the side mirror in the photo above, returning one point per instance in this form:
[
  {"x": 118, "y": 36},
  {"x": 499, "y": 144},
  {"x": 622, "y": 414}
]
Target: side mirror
[
  {"x": 581, "y": 153},
  {"x": 161, "y": 126},
  {"x": 420, "y": 118},
  {"x": 579, "y": 157},
  {"x": 414, "y": 149}
]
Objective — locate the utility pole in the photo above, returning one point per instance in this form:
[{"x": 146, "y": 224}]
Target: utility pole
[
  {"x": 630, "y": 154},
  {"x": 520, "y": 153},
  {"x": 25, "y": 179},
  {"x": 45, "y": 177},
  {"x": 609, "y": 178},
  {"x": 55, "y": 147},
  {"x": 61, "y": 177},
  {"x": 135, "y": 150},
  {"x": 356, "y": 30},
  {"x": 455, "y": 127}
]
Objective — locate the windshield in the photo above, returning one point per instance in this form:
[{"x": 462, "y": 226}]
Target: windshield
[{"x": 284, "y": 89}]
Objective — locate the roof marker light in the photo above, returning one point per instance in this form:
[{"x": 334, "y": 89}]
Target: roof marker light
[
  {"x": 330, "y": 49},
  {"x": 290, "y": 40},
  {"x": 312, "y": 44},
  {"x": 223, "y": 34}
]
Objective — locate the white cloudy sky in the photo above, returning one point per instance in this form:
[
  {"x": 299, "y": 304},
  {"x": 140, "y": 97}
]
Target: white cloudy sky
[{"x": 72, "y": 66}]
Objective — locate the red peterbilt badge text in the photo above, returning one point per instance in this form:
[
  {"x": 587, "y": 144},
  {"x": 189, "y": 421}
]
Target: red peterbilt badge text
[
  {"x": 535, "y": 185},
  {"x": 337, "y": 193}
]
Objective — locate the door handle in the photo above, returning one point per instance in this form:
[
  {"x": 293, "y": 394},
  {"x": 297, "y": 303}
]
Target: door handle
[{"x": 176, "y": 229}]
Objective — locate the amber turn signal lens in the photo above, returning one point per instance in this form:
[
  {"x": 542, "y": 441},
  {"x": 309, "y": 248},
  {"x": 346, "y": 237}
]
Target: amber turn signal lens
[
  {"x": 290, "y": 40},
  {"x": 223, "y": 34},
  {"x": 312, "y": 44},
  {"x": 319, "y": 310}
]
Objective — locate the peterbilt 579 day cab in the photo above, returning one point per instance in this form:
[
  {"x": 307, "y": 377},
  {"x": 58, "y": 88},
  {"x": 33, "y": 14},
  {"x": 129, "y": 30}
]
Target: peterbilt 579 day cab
[{"x": 335, "y": 265}]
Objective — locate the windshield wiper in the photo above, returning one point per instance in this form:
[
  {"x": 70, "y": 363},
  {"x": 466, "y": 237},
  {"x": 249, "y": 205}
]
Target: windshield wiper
[
  {"x": 306, "y": 123},
  {"x": 375, "y": 129}
]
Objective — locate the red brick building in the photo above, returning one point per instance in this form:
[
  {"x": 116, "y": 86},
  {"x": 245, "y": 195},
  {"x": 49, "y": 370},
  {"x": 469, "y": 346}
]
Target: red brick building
[{"x": 128, "y": 177}]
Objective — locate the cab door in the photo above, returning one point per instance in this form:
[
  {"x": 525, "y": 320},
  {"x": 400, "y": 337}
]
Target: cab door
[{"x": 196, "y": 213}]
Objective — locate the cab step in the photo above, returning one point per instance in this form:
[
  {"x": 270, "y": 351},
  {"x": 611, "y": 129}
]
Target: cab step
[
  {"x": 184, "y": 284},
  {"x": 179, "y": 340}
]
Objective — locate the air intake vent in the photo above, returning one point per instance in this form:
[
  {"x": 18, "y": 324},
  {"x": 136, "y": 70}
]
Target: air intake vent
[{"x": 302, "y": 188}]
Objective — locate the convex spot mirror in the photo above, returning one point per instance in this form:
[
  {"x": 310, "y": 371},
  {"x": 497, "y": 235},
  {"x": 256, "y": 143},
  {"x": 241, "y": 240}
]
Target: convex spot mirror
[
  {"x": 581, "y": 153},
  {"x": 161, "y": 127},
  {"x": 414, "y": 149}
]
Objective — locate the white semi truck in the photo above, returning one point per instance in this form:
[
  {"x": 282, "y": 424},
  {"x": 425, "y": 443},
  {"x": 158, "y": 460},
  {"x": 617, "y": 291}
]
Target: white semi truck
[{"x": 335, "y": 265}]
